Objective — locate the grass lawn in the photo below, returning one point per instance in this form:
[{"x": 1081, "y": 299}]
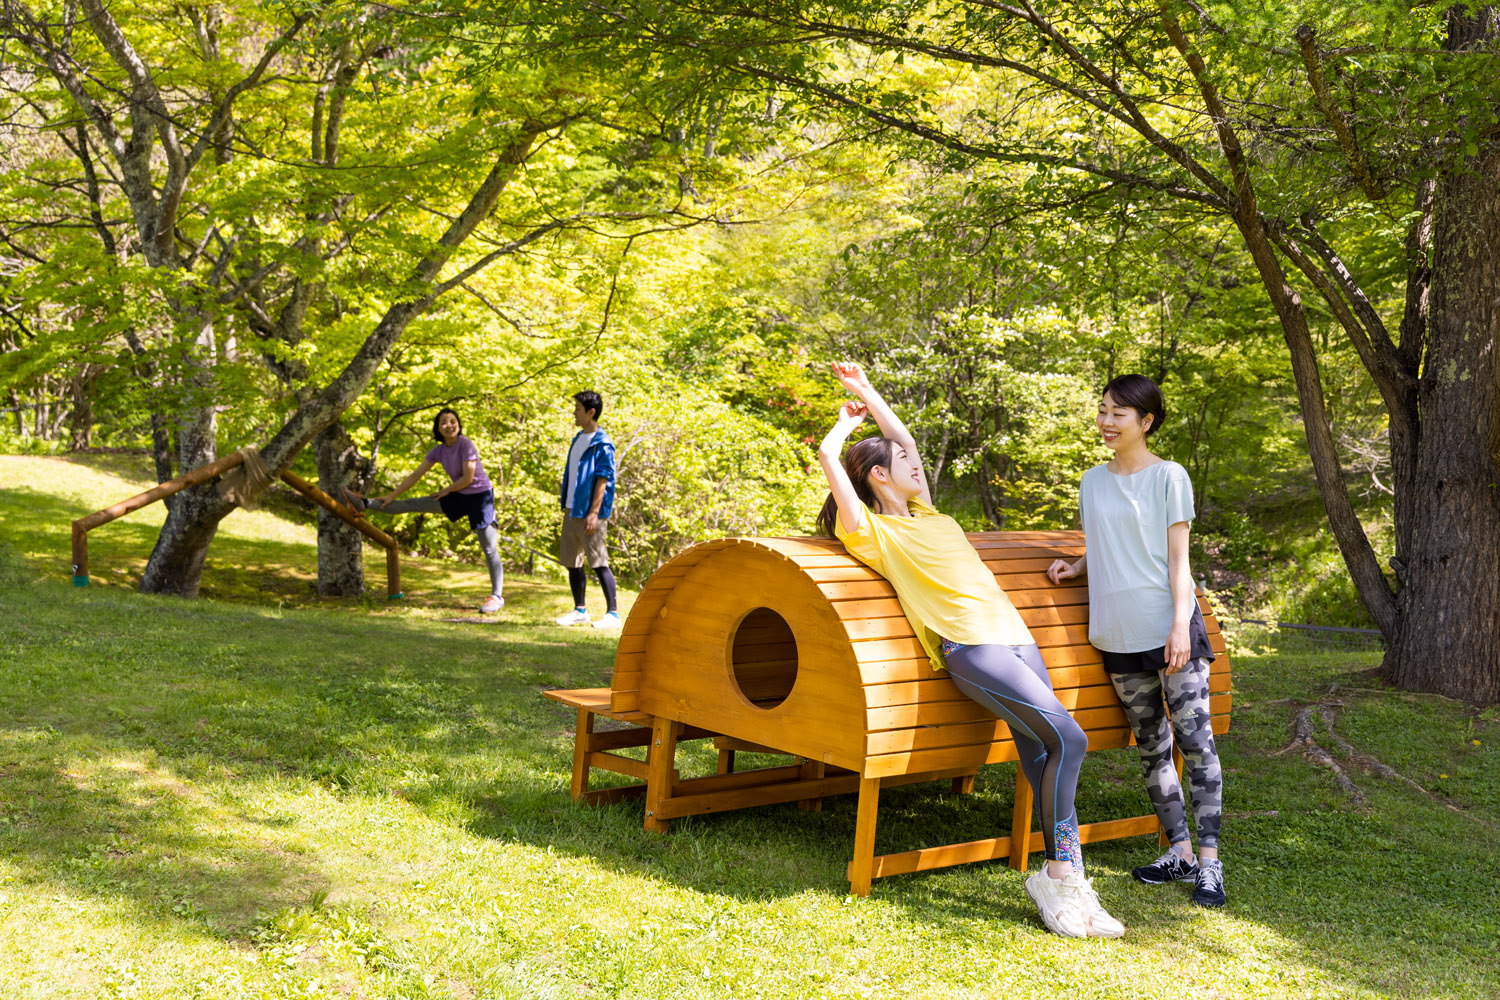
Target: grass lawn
[{"x": 264, "y": 794}]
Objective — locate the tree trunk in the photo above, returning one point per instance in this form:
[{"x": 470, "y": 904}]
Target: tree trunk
[
  {"x": 341, "y": 571},
  {"x": 1449, "y": 636},
  {"x": 176, "y": 563}
]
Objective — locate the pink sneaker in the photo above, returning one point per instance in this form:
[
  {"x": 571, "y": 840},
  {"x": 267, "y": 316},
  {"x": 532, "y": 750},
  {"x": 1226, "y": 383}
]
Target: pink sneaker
[{"x": 491, "y": 605}]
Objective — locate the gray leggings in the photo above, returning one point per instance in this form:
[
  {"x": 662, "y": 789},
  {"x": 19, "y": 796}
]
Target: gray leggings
[
  {"x": 489, "y": 538},
  {"x": 1012, "y": 682},
  {"x": 1186, "y": 694}
]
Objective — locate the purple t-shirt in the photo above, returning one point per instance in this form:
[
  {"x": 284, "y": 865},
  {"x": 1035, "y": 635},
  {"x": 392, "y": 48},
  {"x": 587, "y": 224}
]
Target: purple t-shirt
[{"x": 452, "y": 460}]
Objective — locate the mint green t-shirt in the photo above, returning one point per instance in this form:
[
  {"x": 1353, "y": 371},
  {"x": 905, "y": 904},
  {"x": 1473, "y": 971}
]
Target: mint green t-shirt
[{"x": 1125, "y": 521}]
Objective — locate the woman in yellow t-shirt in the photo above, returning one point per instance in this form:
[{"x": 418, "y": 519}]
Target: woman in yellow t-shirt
[{"x": 880, "y": 508}]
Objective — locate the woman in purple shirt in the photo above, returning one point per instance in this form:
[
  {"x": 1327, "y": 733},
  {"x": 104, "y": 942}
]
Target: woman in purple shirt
[{"x": 468, "y": 495}]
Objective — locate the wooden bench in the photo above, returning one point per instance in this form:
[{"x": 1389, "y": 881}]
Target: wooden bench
[{"x": 791, "y": 645}]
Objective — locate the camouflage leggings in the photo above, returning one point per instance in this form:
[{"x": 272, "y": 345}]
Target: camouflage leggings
[{"x": 1187, "y": 700}]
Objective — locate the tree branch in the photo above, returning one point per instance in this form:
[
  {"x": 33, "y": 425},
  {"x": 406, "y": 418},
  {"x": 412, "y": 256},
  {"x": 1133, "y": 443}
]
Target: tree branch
[{"x": 1306, "y": 41}]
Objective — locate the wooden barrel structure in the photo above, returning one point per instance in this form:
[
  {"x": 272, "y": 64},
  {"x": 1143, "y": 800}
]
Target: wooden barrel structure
[{"x": 792, "y": 644}]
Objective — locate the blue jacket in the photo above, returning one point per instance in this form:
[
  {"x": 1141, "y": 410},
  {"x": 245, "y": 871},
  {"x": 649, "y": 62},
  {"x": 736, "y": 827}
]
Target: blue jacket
[{"x": 598, "y": 462}]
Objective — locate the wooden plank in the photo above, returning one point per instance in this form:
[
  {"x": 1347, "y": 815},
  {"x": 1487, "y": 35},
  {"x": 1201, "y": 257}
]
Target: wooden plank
[
  {"x": 842, "y": 574},
  {"x": 1047, "y": 597},
  {"x": 637, "y": 769},
  {"x": 954, "y": 757},
  {"x": 859, "y": 629},
  {"x": 1020, "y": 822},
  {"x": 661, "y": 760},
  {"x": 880, "y": 607},
  {"x": 941, "y": 688},
  {"x": 946, "y": 856},
  {"x": 983, "y": 732},
  {"x": 861, "y": 866},
  {"x": 1034, "y": 581},
  {"x": 758, "y": 795},
  {"x": 617, "y": 739},
  {"x": 1114, "y": 829},
  {"x": 857, "y": 590},
  {"x": 583, "y": 729}
]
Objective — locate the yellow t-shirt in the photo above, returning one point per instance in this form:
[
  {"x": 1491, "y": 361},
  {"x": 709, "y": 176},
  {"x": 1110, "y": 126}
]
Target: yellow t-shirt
[{"x": 945, "y": 589}]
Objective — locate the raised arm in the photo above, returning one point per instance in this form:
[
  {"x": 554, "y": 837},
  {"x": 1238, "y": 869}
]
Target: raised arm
[
  {"x": 851, "y": 514},
  {"x": 852, "y": 377}
]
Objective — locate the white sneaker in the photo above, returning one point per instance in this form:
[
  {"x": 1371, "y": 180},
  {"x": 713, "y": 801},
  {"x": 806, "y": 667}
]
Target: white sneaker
[
  {"x": 1101, "y": 924},
  {"x": 574, "y": 617},
  {"x": 491, "y": 605},
  {"x": 611, "y": 619},
  {"x": 1060, "y": 902}
]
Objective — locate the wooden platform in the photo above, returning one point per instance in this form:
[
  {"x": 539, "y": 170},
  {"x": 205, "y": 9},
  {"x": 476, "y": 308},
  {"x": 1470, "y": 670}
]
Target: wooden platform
[{"x": 790, "y": 645}]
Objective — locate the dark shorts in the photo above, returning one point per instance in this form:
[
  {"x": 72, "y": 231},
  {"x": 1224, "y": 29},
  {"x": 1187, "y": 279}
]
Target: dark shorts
[
  {"x": 479, "y": 508},
  {"x": 1152, "y": 660}
]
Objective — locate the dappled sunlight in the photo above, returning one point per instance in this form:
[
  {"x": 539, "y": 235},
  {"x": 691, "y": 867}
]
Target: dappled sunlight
[{"x": 228, "y": 792}]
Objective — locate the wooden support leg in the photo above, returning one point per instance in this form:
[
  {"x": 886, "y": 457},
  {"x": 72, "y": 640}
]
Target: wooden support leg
[
  {"x": 1020, "y": 823},
  {"x": 812, "y": 770},
  {"x": 581, "y": 737},
  {"x": 660, "y": 773},
  {"x": 861, "y": 867},
  {"x": 964, "y": 784},
  {"x": 726, "y": 762},
  {"x": 1162, "y": 840}
]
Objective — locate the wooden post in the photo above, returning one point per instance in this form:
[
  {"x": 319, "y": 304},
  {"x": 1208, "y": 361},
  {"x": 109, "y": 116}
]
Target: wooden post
[
  {"x": 1020, "y": 823},
  {"x": 582, "y": 738},
  {"x": 80, "y": 556},
  {"x": 812, "y": 770},
  {"x": 661, "y": 755},
  {"x": 392, "y": 573},
  {"x": 726, "y": 762},
  {"x": 160, "y": 491},
  {"x": 385, "y": 541},
  {"x": 862, "y": 865},
  {"x": 964, "y": 784}
]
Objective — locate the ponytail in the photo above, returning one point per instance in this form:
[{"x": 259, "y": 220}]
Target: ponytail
[{"x": 861, "y": 457}]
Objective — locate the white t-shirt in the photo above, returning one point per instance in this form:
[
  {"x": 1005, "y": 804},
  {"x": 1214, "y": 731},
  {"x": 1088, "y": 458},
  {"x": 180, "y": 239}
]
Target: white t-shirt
[
  {"x": 1125, "y": 520},
  {"x": 575, "y": 456}
]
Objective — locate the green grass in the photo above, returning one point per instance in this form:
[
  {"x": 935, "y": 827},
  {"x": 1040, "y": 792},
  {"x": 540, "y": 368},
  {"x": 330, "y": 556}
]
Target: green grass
[{"x": 269, "y": 795}]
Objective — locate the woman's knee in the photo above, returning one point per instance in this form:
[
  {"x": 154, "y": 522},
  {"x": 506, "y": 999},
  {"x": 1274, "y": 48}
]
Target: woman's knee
[{"x": 1074, "y": 739}]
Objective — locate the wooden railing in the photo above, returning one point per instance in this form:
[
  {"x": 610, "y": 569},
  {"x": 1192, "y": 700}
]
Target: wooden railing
[{"x": 203, "y": 473}]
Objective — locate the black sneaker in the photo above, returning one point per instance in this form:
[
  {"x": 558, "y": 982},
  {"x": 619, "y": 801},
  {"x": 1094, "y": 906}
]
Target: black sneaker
[
  {"x": 1209, "y": 889},
  {"x": 1170, "y": 867}
]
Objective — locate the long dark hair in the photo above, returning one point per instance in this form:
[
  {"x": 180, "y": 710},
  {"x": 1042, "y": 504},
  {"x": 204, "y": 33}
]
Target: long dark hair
[
  {"x": 1140, "y": 394},
  {"x": 862, "y": 456}
]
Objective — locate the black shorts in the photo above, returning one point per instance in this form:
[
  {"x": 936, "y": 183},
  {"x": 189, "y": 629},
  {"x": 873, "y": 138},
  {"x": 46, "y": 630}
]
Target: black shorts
[
  {"x": 1151, "y": 660},
  {"x": 479, "y": 508}
]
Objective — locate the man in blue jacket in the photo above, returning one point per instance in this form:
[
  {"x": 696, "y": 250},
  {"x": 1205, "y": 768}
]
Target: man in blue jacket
[{"x": 588, "y": 498}]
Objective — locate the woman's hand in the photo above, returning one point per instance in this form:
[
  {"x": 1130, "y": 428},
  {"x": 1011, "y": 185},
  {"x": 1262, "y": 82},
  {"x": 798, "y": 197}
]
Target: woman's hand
[
  {"x": 1061, "y": 570},
  {"x": 852, "y": 377},
  {"x": 1179, "y": 647},
  {"x": 851, "y": 414}
]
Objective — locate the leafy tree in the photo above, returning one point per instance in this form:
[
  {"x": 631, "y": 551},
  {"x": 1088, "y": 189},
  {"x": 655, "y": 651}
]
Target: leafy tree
[
  {"x": 235, "y": 191},
  {"x": 1352, "y": 150}
]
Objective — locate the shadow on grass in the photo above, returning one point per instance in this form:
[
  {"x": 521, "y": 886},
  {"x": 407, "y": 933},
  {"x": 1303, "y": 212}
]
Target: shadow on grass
[
  {"x": 211, "y": 696},
  {"x": 238, "y": 569}
]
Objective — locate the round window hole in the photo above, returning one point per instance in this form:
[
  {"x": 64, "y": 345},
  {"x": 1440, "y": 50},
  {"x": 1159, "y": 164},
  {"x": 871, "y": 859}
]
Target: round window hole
[{"x": 763, "y": 658}]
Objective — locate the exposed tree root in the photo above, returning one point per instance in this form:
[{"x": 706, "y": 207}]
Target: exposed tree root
[{"x": 1305, "y": 739}]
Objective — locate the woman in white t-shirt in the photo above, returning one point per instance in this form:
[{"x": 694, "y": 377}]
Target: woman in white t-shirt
[{"x": 1144, "y": 618}]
